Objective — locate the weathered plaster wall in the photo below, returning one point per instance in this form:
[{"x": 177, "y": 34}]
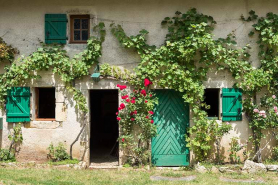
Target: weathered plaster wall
[{"x": 22, "y": 25}]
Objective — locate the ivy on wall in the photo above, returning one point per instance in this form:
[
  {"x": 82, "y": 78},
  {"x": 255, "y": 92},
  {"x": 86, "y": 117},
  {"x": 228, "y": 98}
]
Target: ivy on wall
[
  {"x": 189, "y": 52},
  {"x": 53, "y": 57},
  {"x": 181, "y": 63},
  {"x": 7, "y": 52}
]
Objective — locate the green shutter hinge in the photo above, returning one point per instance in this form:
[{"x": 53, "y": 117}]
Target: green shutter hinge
[{"x": 96, "y": 75}]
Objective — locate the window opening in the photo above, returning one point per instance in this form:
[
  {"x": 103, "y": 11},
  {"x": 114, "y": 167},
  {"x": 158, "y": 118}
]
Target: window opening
[{"x": 45, "y": 103}]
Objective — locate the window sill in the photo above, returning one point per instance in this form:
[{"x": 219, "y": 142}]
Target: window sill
[
  {"x": 45, "y": 119},
  {"x": 213, "y": 118},
  {"x": 78, "y": 42},
  {"x": 44, "y": 124}
]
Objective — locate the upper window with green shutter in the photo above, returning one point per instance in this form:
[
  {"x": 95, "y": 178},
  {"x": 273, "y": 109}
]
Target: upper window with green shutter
[
  {"x": 18, "y": 104},
  {"x": 56, "y": 28},
  {"x": 231, "y": 104}
]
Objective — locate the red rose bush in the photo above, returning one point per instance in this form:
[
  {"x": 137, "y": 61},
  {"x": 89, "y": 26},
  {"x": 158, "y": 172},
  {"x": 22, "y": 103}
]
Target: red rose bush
[{"x": 136, "y": 121}]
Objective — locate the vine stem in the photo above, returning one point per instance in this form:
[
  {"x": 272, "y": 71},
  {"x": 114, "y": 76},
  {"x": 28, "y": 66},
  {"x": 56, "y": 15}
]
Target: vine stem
[
  {"x": 76, "y": 139},
  {"x": 260, "y": 150}
]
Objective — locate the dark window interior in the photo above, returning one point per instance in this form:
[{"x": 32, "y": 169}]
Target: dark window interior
[
  {"x": 212, "y": 99},
  {"x": 104, "y": 126},
  {"x": 45, "y": 103}
]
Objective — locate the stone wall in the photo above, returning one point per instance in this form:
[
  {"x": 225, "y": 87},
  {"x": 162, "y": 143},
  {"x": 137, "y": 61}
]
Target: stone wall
[{"x": 22, "y": 25}]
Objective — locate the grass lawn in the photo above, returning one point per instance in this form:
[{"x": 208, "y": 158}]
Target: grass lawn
[{"x": 114, "y": 177}]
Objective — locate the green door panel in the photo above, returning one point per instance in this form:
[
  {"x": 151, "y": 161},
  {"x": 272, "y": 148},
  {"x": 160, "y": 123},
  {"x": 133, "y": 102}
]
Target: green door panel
[{"x": 171, "y": 116}]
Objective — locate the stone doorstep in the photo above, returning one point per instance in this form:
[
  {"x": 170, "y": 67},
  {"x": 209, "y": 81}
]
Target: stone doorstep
[
  {"x": 167, "y": 168},
  {"x": 91, "y": 167}
]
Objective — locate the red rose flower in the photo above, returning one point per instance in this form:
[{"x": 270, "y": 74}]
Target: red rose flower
[
  {"x": 123, "y": 87},
  {"x": 133, "y": 101},
  {"x": 118, "y": 118},
  {"x": 147, "y": 117},
  {"x": 131, "y": 113},
  {"x": 133, "y": 98},
  {"x": 135, "y": 112},
  {"x": 117, "y": 113},
  {"x": 127, "y": 100},
  {"x": 123, "y": 139},
  {"x": 152, "y": 121},
  {"x": 151, "y": 95},
  {"x": 147, "y": 82},
  {"x": 151, "y": 112},
  {"x": 125, "y": 97},
  {"x": 132, "y": 119},
  {"x": 122, "y": 105},
  {"x": 146, "y": 101},
  {"x": 119, "y": 108},
  {"x": 143, "y": 92}
]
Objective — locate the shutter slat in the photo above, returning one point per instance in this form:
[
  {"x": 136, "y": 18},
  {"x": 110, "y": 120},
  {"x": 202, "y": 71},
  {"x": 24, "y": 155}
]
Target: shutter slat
[
  {"x": 56, "y": 28},
  {"x": 18, "y": 104},
  {"x": 231, "y": 104}
]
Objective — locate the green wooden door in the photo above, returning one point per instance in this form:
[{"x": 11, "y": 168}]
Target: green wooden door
[{"x": 171, "y": 116}]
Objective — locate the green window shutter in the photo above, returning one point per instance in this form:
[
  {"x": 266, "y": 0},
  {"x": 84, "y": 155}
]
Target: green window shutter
[
  {"x": 56, "y": 28},
  {"x": 18, "y": 104},
  {"x": 1, "y": 123},
  {"x": 231, "y": 104}
]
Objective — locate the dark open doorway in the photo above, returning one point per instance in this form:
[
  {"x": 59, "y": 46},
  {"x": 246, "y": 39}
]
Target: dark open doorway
[{"x": 104, "y": 127}]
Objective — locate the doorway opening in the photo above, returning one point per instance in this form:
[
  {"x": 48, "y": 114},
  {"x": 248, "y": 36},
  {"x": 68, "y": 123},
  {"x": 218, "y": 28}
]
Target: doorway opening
[{"x": 104, "y": 146}]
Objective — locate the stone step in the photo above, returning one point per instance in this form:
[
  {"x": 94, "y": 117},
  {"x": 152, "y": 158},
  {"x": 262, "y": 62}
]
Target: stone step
[{"x": 104, "y": 167}]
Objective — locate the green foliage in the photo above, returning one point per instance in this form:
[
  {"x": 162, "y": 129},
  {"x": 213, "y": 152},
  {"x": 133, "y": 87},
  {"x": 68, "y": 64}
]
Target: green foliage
[
  {"x": 16, "y": 135},
  {"x": 137, "y": 128},
  {"x": 63, "y": 162},
  {"x": 58, "y": 153},
  {"x": 275, "y": 153},
  {"x": 234, "y": 148},
  {"x": 54, "y": 57},
  {"x": 182, "y": 63},
  {"x": 262, "y": 117},
  {"x": 16, "y": 139},
  {"x": 7, "y": 52},
  {"x": 252, "y": 16},
  {"x": 203, "y": 137},
  {"x": 117, "y": 73},
  {"x": 6, "y": 155}
]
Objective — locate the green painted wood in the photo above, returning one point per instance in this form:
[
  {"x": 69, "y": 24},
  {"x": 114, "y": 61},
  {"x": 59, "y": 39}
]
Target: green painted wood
[
  {"x": 171, "y": 116},
  {"x": 1, "y": 123},
  {"x": 56, "y": 28},
  {"x": 231, "y": 104},
  {"x": 18, "y": 104}
]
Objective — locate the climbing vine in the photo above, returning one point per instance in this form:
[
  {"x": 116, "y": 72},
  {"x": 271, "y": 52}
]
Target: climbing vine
[
  {"x": 182, "y": 63},
  {"x": 7, "y": 52},
  {"x": 189, "y": 52},
  {"x": 53, "y": 57}
]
